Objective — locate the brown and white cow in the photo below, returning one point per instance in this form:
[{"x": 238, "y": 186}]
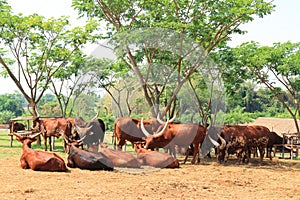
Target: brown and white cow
[
  {"x": 39, "y": 160},
  {"x": 176, "y": 134},
  {"x": 240, "y": 140}
]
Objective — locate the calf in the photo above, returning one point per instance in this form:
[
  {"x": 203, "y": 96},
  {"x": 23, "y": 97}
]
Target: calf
[
  {"x": 155, "y": 158},
  {"x": 39, "y": 160},
  {"x": 87, "y": 160},
  {"x": 120, "y": 158}
]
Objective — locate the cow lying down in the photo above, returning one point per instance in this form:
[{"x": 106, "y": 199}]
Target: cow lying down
[
  {"x": 155, "y": 158},
  {"x": 83, "y": 159},
  {"x": 120, "y": 158},
  {"x": 39, "y": 160}
]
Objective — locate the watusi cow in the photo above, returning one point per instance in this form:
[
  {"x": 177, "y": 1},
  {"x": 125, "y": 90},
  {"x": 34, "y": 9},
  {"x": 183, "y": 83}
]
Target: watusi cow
[
  {"x": 78, "y": 158},
  {"x": 240, "y": 140},
  {"x": 155, "y": 158},
  {"x": 16, "y": 126},
  {"x": 129, "y": 129},
  {"x": 176, "y": 134},
  {"x": 93, "y": 133},
  {"x": 55, "y": 127},
  {"x": 120, "y": 158},
  {"x": 274, "y": 139},
  {"x": 39, "y": 160}
]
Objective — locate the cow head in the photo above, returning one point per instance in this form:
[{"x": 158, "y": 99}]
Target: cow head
[
  {"x": 152, "y": 139},
  {"x": 220, "y": 148},
  {"x": 69, "y": 143},
  {"x": 27, "y": 140}
]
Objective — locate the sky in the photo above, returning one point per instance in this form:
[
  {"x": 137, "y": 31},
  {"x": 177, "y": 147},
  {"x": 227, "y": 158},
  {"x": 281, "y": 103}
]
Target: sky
[{"x": 281, "y": 26}]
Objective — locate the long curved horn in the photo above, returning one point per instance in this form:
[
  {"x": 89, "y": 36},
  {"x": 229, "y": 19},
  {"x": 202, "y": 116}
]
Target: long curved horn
[
  {"x": 171, "y": 120},
  {"x": 213, "y": 141},
  {"x": 35, "y": 135},
  {"x": 143, "y": 129},
  {"x": 223, "y": 144},
  {"x": 81, "y": 139},
  {"x": 96, "y": 117},
  {"x": 162, "y": 131},
  {"x": 159, "y": 120}
]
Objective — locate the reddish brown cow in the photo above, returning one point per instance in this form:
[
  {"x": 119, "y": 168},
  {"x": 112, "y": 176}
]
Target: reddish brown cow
[
  {"x": 240, "y": 140},
  {"x": 78, "y": 158},
  {"x": 39, "y": 160},
  {"x": 129, "y": 129},
  {"x": 155, "y": 158},
  {"x": 120, "y": 158},
  {"x": 53, "y": 127},
  {"x": 177, "y": 134}
]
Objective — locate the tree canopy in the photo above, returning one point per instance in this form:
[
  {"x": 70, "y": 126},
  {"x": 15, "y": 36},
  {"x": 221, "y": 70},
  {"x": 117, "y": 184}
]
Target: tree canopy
[{"x": 163, "y": 37}]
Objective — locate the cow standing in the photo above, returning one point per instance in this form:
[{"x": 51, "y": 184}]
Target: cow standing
[
  {"x": 53, "y": 127},
  {"x": 129, "y": 129},
  {"x": 240, "y": 140},
  {"x": 177, "y": 134},
  {"x": 93, "y": 133},
  {"x": 39, "y": 160}
]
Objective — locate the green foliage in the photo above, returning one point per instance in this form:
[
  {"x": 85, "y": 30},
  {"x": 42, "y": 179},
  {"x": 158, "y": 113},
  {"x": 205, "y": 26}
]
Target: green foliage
[
  {"x": 43, "y": 49},
  {"x": 11, "y": 105}
]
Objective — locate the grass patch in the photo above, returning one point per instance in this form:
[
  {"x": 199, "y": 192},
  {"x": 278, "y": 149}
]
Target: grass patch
[{"x": 16, "y": 149}]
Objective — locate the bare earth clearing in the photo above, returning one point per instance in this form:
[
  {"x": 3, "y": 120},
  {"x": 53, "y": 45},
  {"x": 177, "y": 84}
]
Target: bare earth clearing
[{"x": 277, "y": 179}]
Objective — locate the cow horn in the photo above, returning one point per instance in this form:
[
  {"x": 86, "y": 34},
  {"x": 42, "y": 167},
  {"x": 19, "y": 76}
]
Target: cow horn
[
  {"x": 162, "y": 131},
  {"x": 161, "y": 122},
  {"x": 158, "y": 119},
  {"x": 171, "y": 120},
  {"x": 81, "y": 139},
  {"x": 35, "y": 135},
  {"x": 213, "y": 141},
  {"x": 223, "y": 142},
  {"x": 143, "y": 129},
  {"x": 96, "y": 117}
]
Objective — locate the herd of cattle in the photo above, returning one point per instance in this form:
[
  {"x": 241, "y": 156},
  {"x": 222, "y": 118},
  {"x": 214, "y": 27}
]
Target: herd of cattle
[{"x": 146, "y": 136}]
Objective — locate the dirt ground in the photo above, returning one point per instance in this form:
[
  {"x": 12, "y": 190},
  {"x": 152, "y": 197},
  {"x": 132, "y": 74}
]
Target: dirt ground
[{"x": 277, "y": 179}]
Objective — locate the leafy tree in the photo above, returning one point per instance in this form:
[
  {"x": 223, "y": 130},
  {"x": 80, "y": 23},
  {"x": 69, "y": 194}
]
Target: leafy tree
[
  {"x": 11, "y": 106},
  {"x": 33, "y": 49},
  {"x": 154, "y": 36},
  {"x": 277, "y": 67}
]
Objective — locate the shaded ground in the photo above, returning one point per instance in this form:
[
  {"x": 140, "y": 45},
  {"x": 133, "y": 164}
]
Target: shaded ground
[{"x": 279, "y": 179}]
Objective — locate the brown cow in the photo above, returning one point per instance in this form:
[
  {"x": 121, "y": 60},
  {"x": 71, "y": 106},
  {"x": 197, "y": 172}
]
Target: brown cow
[
  {"x": 78, "y": 158},
  {"x": 176, "y": 134},
  {"x": 39, "y": 160},
  {"x": 120, "y": 158},
  {"x": 129, "y": 129},
  {"x": 53, "y": 127},
  {"x": 16, "y": 126},
  {"x": 155, "y": 158},
  {"x": 240, "y": 140}
]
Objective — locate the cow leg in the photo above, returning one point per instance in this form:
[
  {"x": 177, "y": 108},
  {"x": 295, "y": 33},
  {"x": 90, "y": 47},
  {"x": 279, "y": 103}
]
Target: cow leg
[
  {"x": 262, "y": 153},
  {"x": 196, "y": 151},
  {"x": 121, "y": 143},
  {"x": 23, "y": 163},
  {"x": 186, "y": 155},
  {"x": 50, "y": 143},
  {"x": 45, "y": 142}
]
